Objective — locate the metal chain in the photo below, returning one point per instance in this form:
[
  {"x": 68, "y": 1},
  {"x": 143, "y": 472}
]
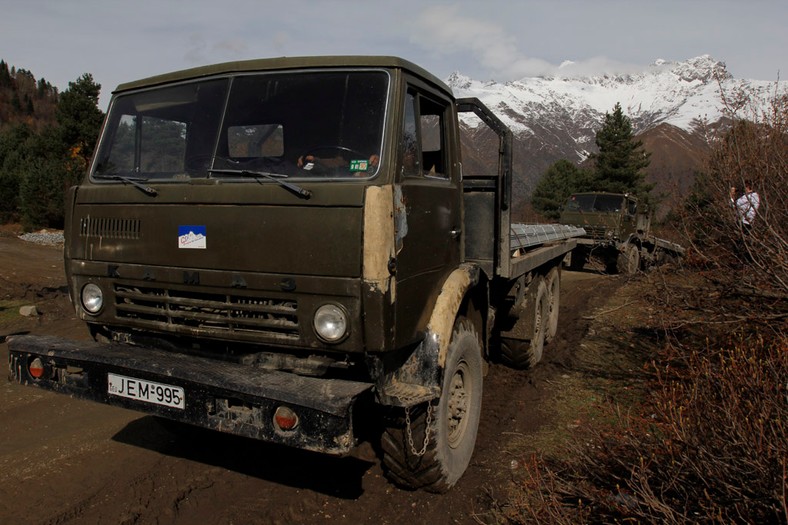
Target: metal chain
[{"x": 409, "y": 432}]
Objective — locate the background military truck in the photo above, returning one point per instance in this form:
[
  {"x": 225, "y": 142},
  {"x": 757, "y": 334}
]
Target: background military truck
[
  {"x": 288, "y": 250},
  {"x": 617, "y": 231}
]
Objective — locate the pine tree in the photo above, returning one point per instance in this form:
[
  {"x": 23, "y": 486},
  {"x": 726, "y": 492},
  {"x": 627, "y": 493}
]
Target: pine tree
[
  {"x": 28, "y": 106},
  {"x": 5, "y": 75},
  {"x": 14, "y": 157},
  {"x": 42, "y": 88},
  {"x": 16, "y": 104},
  {"x": 560, "y": 181},
  {"x": 79, "y": 118},
  {"x": 621, "y": 159}
]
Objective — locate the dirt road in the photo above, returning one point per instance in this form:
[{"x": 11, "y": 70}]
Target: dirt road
[{"x": 65, "y": 461}]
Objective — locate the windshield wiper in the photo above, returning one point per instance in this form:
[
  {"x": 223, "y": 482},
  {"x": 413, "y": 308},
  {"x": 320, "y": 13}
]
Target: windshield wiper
[
  {"x": 134, "y": 181},
  {"x": 298, "y": 190}
]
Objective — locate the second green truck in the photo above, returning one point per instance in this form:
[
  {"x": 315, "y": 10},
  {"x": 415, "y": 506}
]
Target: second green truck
[{"x": 617, "y": 232}]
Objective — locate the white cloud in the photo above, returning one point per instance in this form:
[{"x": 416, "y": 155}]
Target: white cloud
[{"x": 444, "y": 30}]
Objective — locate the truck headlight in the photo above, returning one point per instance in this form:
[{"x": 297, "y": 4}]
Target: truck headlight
[
  {"x": 330, "y": 323},
  {"x": 92, "y": 298}
]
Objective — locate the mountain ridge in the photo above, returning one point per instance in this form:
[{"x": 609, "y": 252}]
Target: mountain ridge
[{"x": 670, "y": 104}]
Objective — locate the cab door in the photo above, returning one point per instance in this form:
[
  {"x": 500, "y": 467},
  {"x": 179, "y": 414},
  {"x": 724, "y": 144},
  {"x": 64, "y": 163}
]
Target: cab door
[
  {"x": 428, "y": 191},
  {"x": 629, "y": 224}
]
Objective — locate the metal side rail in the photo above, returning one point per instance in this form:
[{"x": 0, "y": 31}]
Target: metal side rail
[
  {"x": 224, "y": 396},
  {"x": 668, "y": 245},
  {"x": 529, "y": 235}
]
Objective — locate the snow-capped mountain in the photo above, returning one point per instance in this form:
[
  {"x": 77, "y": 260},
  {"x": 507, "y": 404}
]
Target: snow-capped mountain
[{"x": 558, "y": 117}]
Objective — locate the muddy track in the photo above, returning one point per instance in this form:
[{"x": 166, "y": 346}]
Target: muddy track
[{"x": 64, "y": 461}]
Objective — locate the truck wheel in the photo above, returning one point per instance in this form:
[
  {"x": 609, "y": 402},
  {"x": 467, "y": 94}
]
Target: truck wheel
[
  {"x": 665, "y": 257},
  {"x": 525, "y": 353},
  {"x": 436, "y": 461},
  {"x": 577, "y": 260},
  {"x": 553, "y": 283},
  {"x": 628, "y": 260}
]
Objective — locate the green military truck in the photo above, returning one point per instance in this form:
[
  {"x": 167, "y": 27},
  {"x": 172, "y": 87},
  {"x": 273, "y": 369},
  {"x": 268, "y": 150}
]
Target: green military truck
[
  {"x": 287, "y": 250},
  {"x": 618, "y": 232}
]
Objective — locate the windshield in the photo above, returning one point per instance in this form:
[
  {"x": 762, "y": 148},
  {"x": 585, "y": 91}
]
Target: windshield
[
  {"x": 594, "y": 203},
  {"x": 306, "y": 124}
]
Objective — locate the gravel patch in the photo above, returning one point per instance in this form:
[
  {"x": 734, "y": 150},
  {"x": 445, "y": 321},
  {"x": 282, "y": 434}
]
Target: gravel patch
[{"x": 45, "y": 237}]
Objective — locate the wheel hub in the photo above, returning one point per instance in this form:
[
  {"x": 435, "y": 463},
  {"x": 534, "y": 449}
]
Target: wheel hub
[{"x": 459, "y": 399}]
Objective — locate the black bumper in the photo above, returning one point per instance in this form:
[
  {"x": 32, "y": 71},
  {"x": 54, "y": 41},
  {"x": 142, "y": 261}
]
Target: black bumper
[{"x": 224, "y": 396}]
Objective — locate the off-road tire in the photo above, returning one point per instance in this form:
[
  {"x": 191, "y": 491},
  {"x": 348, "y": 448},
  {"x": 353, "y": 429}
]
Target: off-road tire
[
  {"x": 665, "y": 257},
  {"x": 628, "y": 261},
  {"x": 453, "y": 424},
  {"x": 577, "y": 260},
  {"x": 526, "y": 353},
  {"x": 553, "y": 283}
]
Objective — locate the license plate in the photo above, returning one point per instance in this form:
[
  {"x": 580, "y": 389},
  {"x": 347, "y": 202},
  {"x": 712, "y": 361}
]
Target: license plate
[{"x": 146, "y": 391}]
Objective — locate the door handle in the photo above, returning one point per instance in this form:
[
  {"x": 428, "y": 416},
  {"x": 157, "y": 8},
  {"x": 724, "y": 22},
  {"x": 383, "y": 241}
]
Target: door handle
[{"x": 455, "y": 233}]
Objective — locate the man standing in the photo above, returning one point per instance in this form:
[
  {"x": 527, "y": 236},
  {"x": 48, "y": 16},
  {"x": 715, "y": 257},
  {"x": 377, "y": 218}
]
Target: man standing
[{"x": 746, "y": 205}]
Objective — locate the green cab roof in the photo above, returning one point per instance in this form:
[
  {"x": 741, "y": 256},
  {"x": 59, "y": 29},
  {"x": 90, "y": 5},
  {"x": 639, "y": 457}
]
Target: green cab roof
[{"x": 285, "y": 63}]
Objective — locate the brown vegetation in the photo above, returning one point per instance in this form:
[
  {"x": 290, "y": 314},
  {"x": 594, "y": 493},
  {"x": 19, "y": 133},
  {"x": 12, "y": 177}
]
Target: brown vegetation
[{"x": 25, "y": 100}]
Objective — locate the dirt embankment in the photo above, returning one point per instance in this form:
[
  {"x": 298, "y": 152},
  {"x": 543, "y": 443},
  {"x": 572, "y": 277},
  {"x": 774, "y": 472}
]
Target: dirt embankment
[{"x": 67, "y": 461}]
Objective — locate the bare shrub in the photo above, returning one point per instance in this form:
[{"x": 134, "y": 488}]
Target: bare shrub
[
  {"x": 725, "y": 417},
  {"x": 710, "y": 444},
  {"x": 710, "y": 447},
  {"x": 754, "y": 148}
]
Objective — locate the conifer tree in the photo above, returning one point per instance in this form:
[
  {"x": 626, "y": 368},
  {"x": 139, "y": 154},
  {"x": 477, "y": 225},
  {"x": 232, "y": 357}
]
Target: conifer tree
[
  {"x": 16, "y": 103},
  {"x": 79, "y": 118},
  {"x": 621, "y": 159},
  {"x": 5, "y": 75},
  {"x": 560, "y": 181}
]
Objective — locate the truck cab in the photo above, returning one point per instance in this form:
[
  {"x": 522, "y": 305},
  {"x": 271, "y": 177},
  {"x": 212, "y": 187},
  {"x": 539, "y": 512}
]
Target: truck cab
[
  {"x": 252, "y": 203},
  {"x": 612, "y": 216}
]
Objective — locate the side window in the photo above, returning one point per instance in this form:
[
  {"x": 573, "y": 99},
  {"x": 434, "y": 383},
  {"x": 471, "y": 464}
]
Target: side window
[
  {"x": 433, "y": 152},
  {"x": 423, "y": 137},
  {"x": 633, "y": 207},
  {"x": 411, "y": 157}
]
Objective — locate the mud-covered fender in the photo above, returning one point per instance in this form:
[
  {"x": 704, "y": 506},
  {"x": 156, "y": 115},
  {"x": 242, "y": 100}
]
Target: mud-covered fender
[
  {"x": 447, "y": 306},
  {"x": 633, "y": 239},
  {"x": 420, "y": 377}
]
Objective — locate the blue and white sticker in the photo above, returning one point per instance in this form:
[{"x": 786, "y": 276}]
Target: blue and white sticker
[{"x": 192, "y": 237}]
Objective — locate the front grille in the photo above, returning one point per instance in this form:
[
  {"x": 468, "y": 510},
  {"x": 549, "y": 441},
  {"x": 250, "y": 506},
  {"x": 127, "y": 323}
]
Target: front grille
[
  {"x": 595, "y": 232},
  {"x": 112, "y": 228},
  {"x": 211, "y": 314}
]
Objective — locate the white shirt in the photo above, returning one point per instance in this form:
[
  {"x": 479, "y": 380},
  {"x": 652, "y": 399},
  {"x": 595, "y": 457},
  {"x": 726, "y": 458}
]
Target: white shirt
[{"x": 746, "y": 206}]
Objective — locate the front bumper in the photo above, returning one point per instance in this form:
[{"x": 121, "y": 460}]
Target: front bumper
[{"x": 224, "y": 396}]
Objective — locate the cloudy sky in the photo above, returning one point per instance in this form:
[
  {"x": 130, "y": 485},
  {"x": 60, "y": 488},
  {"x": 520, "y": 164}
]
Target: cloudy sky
[{"x": 118, "y": 41}]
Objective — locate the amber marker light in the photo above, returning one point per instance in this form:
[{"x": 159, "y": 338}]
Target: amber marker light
[
  {"x": 36, "y": 368},
  {"x": 285, "y": 418}
]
